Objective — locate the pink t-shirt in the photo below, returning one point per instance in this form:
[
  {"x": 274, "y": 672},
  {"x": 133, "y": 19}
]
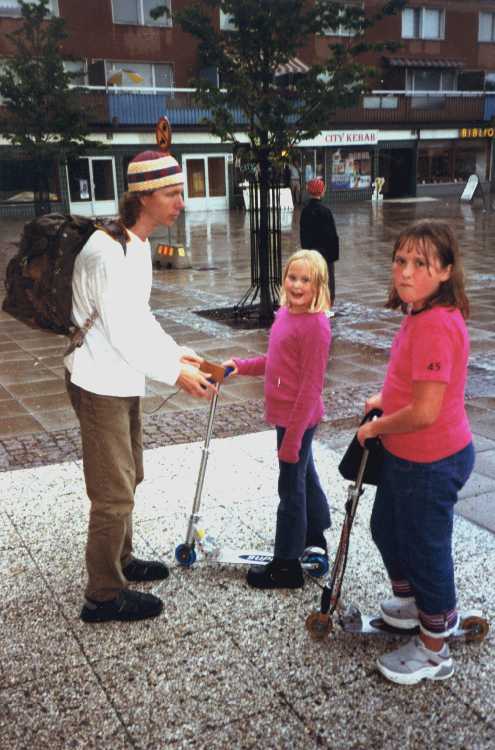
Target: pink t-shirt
[{"x": 432, "y": 345}]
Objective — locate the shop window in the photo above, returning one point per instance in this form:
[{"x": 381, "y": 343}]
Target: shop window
[
  {"x": 423, "y": 23},
  {"x": 312, "y": 164},
  {"x": 486, "y": 27},
  {"x": 138, "y": 12},
  {"x": 452, "y": 162},
  {"x": 138, "y": 75},
  {"x": 471, "y": 158},
  {"x": 13, "y": 8},
  {"x": 351, "y": 170},
  {"x": 16, "y": 181}
]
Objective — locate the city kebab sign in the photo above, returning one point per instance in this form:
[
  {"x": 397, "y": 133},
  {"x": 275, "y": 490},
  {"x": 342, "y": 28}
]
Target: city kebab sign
[{"x": 341, "y": 138}]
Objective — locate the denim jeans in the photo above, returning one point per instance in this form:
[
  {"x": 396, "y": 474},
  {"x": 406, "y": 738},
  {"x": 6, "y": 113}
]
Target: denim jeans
[
  {"x": 303, "y": 511},
  {"x": 111, "y": 433},
  {"x": 412, "y": 522}
]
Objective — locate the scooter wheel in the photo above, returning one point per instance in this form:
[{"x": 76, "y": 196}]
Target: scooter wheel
[
  {"x": 476, "y": 628},
  {"x": 318, "y": 625},
  {"x": 185, "y": 555},
  {"x": 321, "y": 563}
]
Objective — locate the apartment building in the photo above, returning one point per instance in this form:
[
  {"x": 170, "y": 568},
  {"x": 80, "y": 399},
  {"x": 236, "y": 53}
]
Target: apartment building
[{"x": 427, "y": 125}]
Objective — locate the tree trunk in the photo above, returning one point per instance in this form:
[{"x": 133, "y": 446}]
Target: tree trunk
[
  {"x": 266, "y": 303},
  {"x": 42, "y": 204}
]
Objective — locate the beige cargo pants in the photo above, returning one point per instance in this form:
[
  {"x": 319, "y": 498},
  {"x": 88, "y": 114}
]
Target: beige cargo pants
[{"x": 112, "y": 443}]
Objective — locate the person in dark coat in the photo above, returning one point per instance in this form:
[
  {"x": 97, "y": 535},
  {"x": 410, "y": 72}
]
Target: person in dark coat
[{"x": 317, "y": 230}]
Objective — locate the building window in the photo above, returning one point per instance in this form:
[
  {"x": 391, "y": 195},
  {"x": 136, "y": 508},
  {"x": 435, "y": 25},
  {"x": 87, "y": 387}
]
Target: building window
[
  {"x": 423, "y": 23},
  {"x": 428, "y": 79},
  {"x": 449, "y": 161},
  {"x": 137, "y": 12},
  {"x": 13, "y": 8},
  {"x": 139, "y": 75},
  {"x": 227, "y": 22},
  {"x": 78, "y": 71},
  {"x": 313, "y": 164},
  {"x": 351, "y": 170},
  {"x": 486, "y": 29},
  {"x": 490, "y": 81},
  {"x": 16, "y": 181}
]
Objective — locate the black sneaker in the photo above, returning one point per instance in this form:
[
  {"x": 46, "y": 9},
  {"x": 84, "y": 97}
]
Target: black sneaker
[
  {"x": 278, "y": 574},
  {"x": 145, "y": 570},
  {"x": 128, "y": 606}
]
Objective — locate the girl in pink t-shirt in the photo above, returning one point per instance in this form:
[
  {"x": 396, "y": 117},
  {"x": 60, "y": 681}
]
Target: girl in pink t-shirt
[
  {"x": 294, "y": 369},
  {"x": 428, "y": 448}
]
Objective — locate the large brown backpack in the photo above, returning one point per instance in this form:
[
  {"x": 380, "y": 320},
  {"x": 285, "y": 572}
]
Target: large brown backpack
[{"x": 38, "y": 280}]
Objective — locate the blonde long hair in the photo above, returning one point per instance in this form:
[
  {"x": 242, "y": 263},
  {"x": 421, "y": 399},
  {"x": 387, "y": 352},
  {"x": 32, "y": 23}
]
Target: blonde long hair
[{"x": 318, "y": 273}]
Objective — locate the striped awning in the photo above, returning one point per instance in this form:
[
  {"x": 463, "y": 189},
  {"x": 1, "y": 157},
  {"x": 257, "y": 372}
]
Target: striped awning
[
  {"x": 423, "y": 62},
  {"x": 292, "y": 66}
]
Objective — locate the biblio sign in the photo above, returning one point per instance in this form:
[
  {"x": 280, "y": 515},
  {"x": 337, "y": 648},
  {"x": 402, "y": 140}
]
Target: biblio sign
[
  {"x": 488, "y": 132},
  {"x": 342, "y": 138}
]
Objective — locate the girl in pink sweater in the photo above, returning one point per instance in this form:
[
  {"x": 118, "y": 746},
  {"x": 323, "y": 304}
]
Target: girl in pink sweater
[
  {"x": 294, "y": 368},
  {"x": 428, "y": 449}
]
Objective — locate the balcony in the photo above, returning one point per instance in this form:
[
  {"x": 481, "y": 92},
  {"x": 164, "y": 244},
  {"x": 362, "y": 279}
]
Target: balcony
[{"x": 128, "y": 108}]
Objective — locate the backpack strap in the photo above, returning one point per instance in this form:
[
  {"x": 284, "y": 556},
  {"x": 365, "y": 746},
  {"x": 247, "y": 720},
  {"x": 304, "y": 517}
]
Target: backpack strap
[{"x": 117, "y": 231}]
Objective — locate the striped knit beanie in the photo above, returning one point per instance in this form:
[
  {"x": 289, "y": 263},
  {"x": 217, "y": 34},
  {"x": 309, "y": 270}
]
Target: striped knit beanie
[{"x": 151, "y": 170}]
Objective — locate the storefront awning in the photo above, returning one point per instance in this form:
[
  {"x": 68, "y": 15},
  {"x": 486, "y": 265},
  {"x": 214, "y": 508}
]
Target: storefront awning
[
  {"x": 408, "y": 62},
  {"x": 294, "y": 65}
]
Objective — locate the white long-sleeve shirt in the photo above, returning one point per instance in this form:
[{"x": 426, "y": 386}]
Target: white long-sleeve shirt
[{"x": 126, "y": 343}]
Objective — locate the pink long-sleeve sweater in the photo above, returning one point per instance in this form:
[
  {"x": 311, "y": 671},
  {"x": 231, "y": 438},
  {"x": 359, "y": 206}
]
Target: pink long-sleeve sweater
[{"x": 294, "y": 368}]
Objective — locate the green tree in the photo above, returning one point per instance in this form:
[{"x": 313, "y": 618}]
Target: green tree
[
  {"x": 41, "y": 113},
  {"x": 264, "y": 35}
]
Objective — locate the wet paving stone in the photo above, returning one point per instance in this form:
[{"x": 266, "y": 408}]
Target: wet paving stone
[{"x": 219, "y": 241}]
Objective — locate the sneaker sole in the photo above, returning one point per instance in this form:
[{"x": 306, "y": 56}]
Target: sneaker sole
[
  {"x": 412, "y": 678},
  {"x": 400, "y": 624},
  {"x": 125, "y": 618}
]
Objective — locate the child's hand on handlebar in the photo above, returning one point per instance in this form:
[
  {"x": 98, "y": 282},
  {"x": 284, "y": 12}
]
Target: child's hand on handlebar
[
  {"x": 373, "y": 402},
  {"x": 367, "y": 430},
  {"x": 231, "y": 364}
]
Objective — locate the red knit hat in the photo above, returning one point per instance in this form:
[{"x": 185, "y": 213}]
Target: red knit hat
[
  {"x": 316, "y": 187},
  {"x": 151, "y": 170}
]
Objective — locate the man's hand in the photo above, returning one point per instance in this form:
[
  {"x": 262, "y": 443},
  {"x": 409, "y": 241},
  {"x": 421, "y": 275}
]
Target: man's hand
[
  {"x": 191, "y": 359},
  {"x": 193, "y": 381}
]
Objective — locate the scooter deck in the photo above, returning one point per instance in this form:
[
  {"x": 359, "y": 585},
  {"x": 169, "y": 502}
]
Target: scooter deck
[
  {"x": 227, "y": 556},
  {"x": 471, "y": 625}
]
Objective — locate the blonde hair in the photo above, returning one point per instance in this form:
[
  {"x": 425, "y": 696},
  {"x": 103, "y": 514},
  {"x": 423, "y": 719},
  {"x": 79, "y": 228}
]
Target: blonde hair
[
  {"x": 318, "y": 274},
  {"x": 436, "y": 234}
]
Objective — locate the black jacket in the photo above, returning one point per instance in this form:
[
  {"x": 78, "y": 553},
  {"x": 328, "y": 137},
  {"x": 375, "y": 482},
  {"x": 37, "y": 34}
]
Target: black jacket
[{"x": 318, "y": 230}]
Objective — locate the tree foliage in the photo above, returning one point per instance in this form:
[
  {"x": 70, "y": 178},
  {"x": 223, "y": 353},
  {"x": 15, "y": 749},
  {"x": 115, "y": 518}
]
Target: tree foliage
[
  {"x": 264, "y": 36},
  {"x": 277, "y": 112},
  {"x": 41, "y": 113}
]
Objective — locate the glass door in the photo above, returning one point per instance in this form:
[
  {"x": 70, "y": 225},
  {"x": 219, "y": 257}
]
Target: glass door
[
  {"x": 206, "y": 182},
  {"x": 92, "y": 186}
]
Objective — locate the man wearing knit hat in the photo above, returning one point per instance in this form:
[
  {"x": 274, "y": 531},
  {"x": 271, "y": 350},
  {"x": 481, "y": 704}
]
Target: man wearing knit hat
[
  {"x": 318, "y": 232},
  {"x": 122, "y": 344}
]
